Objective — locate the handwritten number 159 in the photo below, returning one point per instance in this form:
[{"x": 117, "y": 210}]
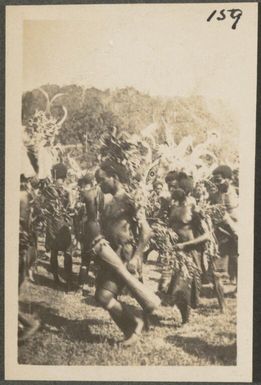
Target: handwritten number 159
[{"x": 235, "y": 14}]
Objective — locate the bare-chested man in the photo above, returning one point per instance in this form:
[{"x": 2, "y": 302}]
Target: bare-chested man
[
  {"x": 92, "y": 199},
  {"x": 128, "y": 238},
  {"x": 58, "y": 236},
  {"x": 227, "y": 232}
]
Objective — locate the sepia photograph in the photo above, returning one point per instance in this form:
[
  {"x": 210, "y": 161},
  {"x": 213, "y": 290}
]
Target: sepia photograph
[{"x": 130, "y": 149}]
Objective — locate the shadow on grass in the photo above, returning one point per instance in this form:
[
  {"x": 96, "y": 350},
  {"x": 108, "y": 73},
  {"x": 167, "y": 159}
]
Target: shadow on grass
[
  {"x": 43, "y": 280},
  {"x": 76, "y": 330},
  {"x": 46, "y": 281},
  {"x": 229, "y": 335},
  {"x": 225, "y": 354},
  {"x": 152, "y": 320},
  {"x": 207, "y": 291},
  {"x": 90, "y": 300},
  {"x": 156, "y": 320},
  {"x": 209, "y": 310}
]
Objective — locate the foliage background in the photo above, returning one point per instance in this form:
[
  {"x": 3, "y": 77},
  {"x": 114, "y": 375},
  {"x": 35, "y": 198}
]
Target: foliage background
[{"x": 91, "y": 112}]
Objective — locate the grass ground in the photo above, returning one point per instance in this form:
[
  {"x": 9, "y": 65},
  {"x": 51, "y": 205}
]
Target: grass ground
[{"x": 75, "y": 331}]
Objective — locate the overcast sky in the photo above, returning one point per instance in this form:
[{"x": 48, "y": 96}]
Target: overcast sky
[{"x": 164, "y": 50}]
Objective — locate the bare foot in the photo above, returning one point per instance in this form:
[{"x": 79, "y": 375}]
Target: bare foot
[
  {"x": 132, "y": 340},
  {"x": 31, "y": 275},
  {"x": 146, "y": 319},
  {"x": 28, "y": 330},
  {"x": 135, "y": 336},
  {"x": 57, "y": 280},
  {"x": 139, "y": 326}
]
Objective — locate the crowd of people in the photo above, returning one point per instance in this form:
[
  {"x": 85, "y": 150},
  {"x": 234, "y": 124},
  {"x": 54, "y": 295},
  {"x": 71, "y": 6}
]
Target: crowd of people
[{"x": 191, "y": 225}]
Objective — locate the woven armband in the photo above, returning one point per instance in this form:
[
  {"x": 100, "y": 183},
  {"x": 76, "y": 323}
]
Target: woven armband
[{"x": 98, "y": 240}]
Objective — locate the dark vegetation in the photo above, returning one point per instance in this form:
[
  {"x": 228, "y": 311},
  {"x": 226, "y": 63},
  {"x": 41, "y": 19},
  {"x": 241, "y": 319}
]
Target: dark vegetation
[{"x": 92, "y": 112}]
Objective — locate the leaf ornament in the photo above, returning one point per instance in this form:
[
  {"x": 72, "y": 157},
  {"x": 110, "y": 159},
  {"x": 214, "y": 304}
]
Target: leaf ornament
[{"x": 51, "y": 212}]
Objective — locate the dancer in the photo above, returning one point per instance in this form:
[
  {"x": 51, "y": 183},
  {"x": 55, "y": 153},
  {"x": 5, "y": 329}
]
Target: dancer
[
  {"x": 227, "y": 230},
  {"x": 121, "y": 235},
  {"x": 195, "y": 248},
  {"x": 27, "y": 324},
  {"x": 92, "y": 199},
  {"x": 58, "y": 234},
  {"x": 128, "y": 237}
]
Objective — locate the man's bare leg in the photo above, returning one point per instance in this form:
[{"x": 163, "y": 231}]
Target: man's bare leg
[
  {"x": 128, "y": 323},
  {"x": 54, "y": 266},
  {"x": 29, "y": 326},
  {"x": 68, "y": 270},
  {"x": 135, "y": 336}
]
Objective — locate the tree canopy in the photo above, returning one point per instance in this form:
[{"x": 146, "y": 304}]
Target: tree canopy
[{"x": 92, "y": 112}]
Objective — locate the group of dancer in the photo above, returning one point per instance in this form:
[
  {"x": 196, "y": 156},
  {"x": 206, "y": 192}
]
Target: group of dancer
[{"x": 118, "y": 222}]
